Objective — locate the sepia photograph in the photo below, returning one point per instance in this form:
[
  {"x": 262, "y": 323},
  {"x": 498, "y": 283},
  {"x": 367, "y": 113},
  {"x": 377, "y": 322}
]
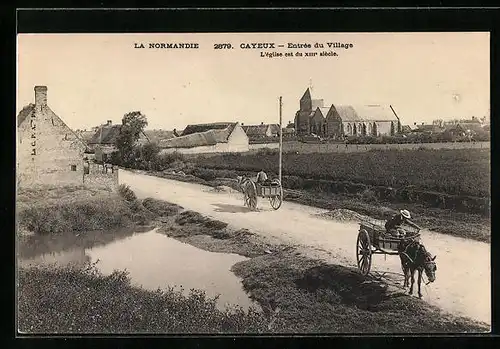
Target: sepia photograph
[{"x": 253, "y": 183}]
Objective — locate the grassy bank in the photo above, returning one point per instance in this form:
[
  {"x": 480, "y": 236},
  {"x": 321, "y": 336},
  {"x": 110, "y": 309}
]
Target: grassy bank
[
  {"x": 84, "y": 301},
  {"x": 56, "y": 210}
]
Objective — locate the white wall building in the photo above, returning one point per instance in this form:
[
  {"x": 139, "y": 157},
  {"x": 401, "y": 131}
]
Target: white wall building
[{"x": 208, "y": 138}]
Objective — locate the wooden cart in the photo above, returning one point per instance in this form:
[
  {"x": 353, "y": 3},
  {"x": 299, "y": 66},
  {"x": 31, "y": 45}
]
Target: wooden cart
[
  {"x": 273, "y": 191},
  {"x": 373, "y": 239}
]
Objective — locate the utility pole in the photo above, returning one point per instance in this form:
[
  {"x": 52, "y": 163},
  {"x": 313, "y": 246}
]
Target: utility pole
[{"x": 281, "y": 138}]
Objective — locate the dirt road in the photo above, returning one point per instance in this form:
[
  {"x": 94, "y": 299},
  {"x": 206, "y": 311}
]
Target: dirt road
[{"x": 463, "y": 276}]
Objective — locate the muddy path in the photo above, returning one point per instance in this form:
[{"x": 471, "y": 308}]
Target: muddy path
[{"x": 463, "y": 276}]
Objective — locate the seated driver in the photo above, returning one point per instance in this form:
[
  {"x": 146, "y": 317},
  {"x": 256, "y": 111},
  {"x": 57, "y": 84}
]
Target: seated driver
[
  {"x": 394, "y": 223},
  {"x": 262, "y": 177}
]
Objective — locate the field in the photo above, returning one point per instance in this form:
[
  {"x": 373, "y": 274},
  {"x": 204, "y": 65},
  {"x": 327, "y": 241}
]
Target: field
[{"x": 464, "y": 172}]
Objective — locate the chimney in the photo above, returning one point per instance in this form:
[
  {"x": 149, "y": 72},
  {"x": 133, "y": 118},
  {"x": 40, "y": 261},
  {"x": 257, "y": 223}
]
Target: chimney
[
  {"x": 262, "y": 123},
  {"x": 415, "y": 123},
  {"x": 40, "y": 96},
  {"x": 242, "y": 124},
  {"x": 109, "y": 123}
]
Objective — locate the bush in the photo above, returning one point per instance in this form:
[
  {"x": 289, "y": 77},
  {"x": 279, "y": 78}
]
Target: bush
[
  {"x": 164, "y": 161},
  {"x": 161, "y": 208},
  {"x": 86, "y": 215},
  {"x": 126, "y": 193},
  {"x": 205, "y": 174}
]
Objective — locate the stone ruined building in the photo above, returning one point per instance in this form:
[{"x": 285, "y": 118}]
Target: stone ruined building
[
  {"x": 339, "y": 121},
  {"x": 50, "y": 153}
]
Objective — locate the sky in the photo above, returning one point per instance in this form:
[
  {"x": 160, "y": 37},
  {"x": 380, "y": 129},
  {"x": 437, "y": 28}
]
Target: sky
[{"x": 92, "y": 78}]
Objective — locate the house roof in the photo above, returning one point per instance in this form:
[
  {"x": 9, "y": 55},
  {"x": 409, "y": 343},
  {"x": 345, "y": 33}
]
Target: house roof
[
  {"x": 24, "y": 113},
  {"x": 275, "y": 128},
  {"x": 347, "y": 113},
  {"x": 85, "y": 135},
  {"x": 107, "y": 134},
  {"x": 198, "y": 139},
  {"x": 375, "y": 112},
  {"x": 255, "y": 130},
  {"x": 429, "y": 128},
  {"x": 260, "y": 130},
  {"x": 197, "y": 128},
  {"x": 361, "y": 113},
  {"x": 158, "y": 135}
]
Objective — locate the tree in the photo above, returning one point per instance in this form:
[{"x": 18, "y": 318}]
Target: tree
[{"x": 133, "y": 125}]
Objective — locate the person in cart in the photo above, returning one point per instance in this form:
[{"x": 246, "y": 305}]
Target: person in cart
[
  {"x": 393, "y": 225},
  {"x": 262, "y": 178}
]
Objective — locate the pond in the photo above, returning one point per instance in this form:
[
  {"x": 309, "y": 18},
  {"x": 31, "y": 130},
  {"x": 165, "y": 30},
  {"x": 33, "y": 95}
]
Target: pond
[{"x": 152, "y": 259}]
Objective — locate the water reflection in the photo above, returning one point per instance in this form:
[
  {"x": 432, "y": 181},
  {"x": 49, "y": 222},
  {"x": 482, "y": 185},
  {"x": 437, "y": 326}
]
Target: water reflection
[{"x": 153, "y": 261}]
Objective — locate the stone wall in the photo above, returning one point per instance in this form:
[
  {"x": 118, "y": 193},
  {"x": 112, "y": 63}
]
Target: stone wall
[{"x": 294, "y": 146}]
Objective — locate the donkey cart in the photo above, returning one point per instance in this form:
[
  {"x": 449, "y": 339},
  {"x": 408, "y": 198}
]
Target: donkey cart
[
  {"x": 273, "y": 190},
  {"x": 372, "y": 239}
]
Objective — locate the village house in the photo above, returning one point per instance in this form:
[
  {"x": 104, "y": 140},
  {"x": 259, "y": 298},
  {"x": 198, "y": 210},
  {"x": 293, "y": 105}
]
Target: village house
[
  {"x": 289, "y": 130},
  {"x": 48, "y": 151},
  {"x": 106, "y": 135},
  {"x": 85, "y": 135},
  {"x": 470, "y": 130},
  {"x": 261, "y": 131},
  {"x": 217, "y": 137},
  {"x": 429, "y": 129},
  {"x": 339, "y": 121}
]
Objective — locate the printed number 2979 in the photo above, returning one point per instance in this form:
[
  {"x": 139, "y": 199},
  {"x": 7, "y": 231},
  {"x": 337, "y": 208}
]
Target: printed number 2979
[{"x": 222, "y": 46}]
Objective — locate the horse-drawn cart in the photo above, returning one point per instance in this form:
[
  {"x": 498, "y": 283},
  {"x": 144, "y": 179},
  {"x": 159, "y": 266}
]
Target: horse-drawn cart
[
  {"x": 373, "y": 239},
  {"x": 272, "y": 190}
]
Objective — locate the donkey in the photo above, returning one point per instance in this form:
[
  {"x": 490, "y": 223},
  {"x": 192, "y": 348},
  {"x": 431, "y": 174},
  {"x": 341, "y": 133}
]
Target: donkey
[
  {"x": 246, "y": 188},
  {"x": 414, "y": 257}
]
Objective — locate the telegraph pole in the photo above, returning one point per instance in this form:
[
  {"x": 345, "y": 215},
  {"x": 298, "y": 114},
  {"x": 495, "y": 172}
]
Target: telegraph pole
[{"x": 281, "y": 138}]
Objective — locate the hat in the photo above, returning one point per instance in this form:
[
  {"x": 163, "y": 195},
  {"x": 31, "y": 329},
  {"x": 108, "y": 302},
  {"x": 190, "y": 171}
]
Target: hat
[{"x": 405, "y": 214}]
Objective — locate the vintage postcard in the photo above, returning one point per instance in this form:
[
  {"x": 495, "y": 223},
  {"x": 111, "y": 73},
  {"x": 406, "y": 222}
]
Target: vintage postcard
[{"x": 256, "y": 183}]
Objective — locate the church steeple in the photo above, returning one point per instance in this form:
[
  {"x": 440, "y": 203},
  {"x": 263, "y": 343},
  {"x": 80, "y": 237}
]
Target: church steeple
[{"x": 306, "y": 101}]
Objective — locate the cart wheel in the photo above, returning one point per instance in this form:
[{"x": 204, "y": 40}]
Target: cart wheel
[
  {"x": 364, "y": 252},
  {"x": 277, "y": 200}
]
